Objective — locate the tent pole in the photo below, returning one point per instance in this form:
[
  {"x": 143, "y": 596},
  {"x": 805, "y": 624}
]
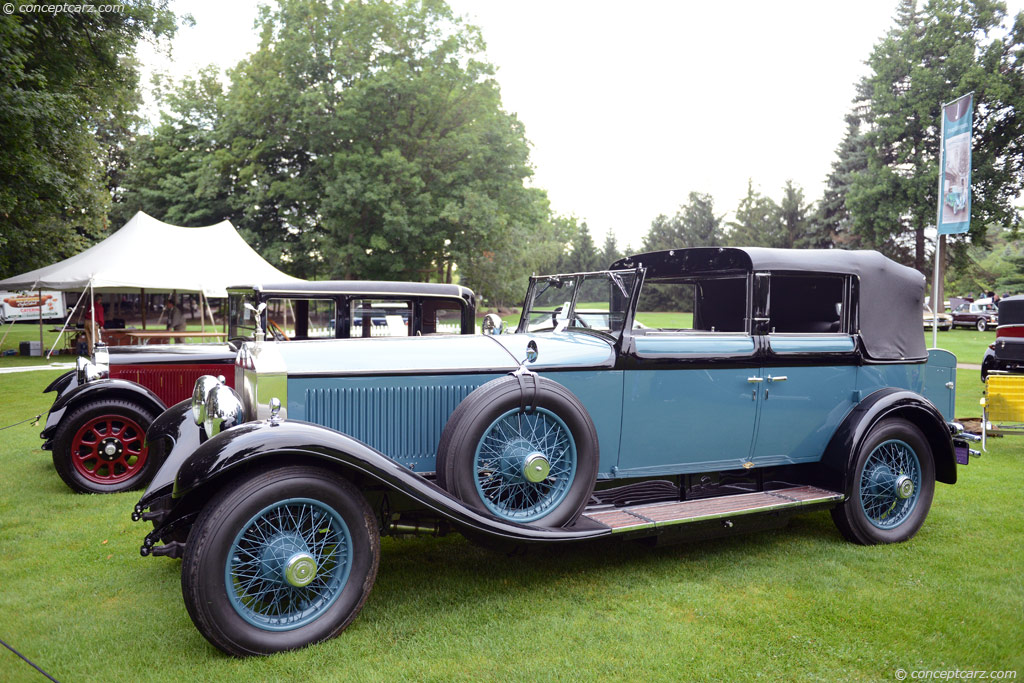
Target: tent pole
[
  {"x": 41, "y": 342},
  {"x": 66, "y": 323},
  {"x": 202, "y": 311},
  {"x": 10, "y": 326},
  {"x": 142, "y": 291},
  {"x": 92, "y": 321}
]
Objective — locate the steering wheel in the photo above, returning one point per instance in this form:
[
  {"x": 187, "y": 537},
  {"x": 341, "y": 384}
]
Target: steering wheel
[{"x": 275, "y": 329}]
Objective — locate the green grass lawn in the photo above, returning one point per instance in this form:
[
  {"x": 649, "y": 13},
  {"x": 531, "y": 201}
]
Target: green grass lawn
[{"x": 794, "y": 604}]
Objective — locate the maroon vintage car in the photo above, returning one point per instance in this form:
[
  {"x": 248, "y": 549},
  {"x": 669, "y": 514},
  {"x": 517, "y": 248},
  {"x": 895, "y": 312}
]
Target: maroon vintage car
[
  {"x": 980, "y": 314},
  {"x": 97, "y": 425}
]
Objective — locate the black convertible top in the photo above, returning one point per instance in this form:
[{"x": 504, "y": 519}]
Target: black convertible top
[
  {"x": 891, "y": 295},
  {"x": 1011, "y": 310}
]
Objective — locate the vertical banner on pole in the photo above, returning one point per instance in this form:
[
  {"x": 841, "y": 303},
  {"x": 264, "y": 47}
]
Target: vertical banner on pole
[{"x": 955, "y": 167}]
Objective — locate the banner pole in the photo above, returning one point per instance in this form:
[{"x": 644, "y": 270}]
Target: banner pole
[{"x": 938, "y": 238}]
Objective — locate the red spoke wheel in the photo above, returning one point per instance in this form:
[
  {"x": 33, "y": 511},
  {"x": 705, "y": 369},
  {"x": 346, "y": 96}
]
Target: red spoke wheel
[{"x": 101, "y": 447}]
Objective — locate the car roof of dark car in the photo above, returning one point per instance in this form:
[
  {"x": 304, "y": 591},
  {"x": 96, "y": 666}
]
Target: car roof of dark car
[
  {"x": 1011, "y": 310},
  {"x": 891, "y": 295},
  {"x": 361, "y": 288}
]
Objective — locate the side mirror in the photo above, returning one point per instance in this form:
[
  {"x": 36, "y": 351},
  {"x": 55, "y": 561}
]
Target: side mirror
[{"x": 492, "y": 324}]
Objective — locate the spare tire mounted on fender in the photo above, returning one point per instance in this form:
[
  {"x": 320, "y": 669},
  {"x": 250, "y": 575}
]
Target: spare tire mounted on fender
[{"x": 523, "y": 448}]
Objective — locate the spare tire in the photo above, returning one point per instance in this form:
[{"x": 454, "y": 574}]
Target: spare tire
[{"x": 523, "y": 451}]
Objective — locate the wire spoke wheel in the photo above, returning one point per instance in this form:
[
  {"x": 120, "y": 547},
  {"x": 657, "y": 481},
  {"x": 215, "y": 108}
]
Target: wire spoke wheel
[
  {"x": 288, "y": 564},
  {"x": 525, "y": 464},
  {"x": 890, "y": 484},
  {"x": 279, "y": 559}
]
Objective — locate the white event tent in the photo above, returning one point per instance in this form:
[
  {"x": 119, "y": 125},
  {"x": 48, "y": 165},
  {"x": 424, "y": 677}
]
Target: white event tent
[
  {"x": 150, "y": 255},
  {"x": 156, "y": 256}
]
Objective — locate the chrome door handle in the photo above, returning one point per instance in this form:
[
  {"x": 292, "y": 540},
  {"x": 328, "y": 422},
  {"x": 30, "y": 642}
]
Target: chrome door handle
[
  {"x": 755, "y": 380},
  {"x": 780, "y": 378}
]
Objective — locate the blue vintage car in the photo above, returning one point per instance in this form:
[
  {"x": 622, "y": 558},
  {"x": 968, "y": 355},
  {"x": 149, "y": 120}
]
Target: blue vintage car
[{"x": 698, "y": 392}]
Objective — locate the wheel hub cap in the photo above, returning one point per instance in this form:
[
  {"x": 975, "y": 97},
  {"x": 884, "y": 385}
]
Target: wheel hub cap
[
  {"x": 904, "y": 487},
  {"x": 536, "y": 468},
  {"x": 110, "y": 449},
  {"x": 300, "y": 570}
]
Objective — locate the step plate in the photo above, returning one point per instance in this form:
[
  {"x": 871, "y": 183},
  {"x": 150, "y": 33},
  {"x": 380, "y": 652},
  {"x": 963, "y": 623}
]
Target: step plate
[{"x": 667, "y": 514}]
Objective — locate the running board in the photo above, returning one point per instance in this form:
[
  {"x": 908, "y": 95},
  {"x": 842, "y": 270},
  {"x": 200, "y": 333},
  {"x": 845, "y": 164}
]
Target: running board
[{"x": 655, "y": 515}]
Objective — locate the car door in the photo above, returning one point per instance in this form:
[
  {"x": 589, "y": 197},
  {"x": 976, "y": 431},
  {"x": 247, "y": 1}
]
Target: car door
[
  {"x": 691, "y": 377},
  {"x": 810, "y": 368}
]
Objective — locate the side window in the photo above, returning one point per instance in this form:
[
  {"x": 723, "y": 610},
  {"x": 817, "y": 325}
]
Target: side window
[
  {"x": 380, "y": 318},
  {"x": 694, "y": 304},
  {"x": 441, "y": 317},
  {"x": 301, "y": 318},
  {"x": 805, "y": 303}
]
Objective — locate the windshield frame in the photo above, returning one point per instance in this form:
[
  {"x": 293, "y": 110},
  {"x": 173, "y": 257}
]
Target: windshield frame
[{"x": 614, "y": 277}]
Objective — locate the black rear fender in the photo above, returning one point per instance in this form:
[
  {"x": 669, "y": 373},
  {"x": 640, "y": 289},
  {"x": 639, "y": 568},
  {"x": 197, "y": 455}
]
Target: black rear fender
[{"x": 883, "y": 404}]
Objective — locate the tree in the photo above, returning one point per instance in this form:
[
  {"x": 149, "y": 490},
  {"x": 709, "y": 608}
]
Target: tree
[
  {"x": 63, "y": 77},
  {"x": 757, "y": 221},
  {"x": 582, "y": 255},
  {"x": 831, "y": 223},
  {"x": 929, "y": 57},
  {"x": 794, "y": 215},
  {"x": 371, "y": 142},
  {"x": 694, "y": 225},
  {"x": 609, "y": 251},
  {"x": 181, "y": 172}
]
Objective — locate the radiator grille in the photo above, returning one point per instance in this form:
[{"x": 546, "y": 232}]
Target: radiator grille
[
  {"x": 404, "y": 423},
  {"x": 171, "y": 383}
]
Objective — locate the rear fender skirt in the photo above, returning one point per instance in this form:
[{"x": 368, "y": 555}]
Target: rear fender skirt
[
  {"x": 254, "y": 442},
  {"x": 76, "y": 395},
  {"x": 884, "y": 403}
]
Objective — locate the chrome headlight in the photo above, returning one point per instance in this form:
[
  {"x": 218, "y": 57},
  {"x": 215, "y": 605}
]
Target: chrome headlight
[
  {"x": 223, "y": 410},
  {"x": 101, "y": 359},
  {"x": 88, "y": 371},
  {"x": 199, "y": 394}
]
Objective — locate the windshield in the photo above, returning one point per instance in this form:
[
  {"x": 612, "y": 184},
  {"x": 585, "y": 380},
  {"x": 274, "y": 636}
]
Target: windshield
[{"x": 580, "y": 301}]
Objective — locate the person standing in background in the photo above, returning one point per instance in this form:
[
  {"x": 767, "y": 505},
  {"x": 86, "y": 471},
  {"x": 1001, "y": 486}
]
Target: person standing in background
[
  {"x": 93, "y": 323},
  {"x": 175, "y": 319}
]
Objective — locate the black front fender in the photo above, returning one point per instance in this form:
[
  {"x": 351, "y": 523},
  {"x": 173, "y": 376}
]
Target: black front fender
[
  {"x": 74, "y": 395},
  {"x": 253, "y": 442},
  {"x": 173, "y": 436},
  {"x": 835, "y": 463}
]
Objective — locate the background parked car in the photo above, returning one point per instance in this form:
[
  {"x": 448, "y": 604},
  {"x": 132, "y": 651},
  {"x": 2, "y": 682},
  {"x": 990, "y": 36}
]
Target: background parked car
[
  {"x": 944, "y": 322},
  {"x": 980, "y": 314},
  {"x": 97, "y": 424},
  {"x": 1006, "y": 353}
]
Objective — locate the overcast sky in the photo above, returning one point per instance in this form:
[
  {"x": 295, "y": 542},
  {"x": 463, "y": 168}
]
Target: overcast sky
[{"x": 632, "y": 106}]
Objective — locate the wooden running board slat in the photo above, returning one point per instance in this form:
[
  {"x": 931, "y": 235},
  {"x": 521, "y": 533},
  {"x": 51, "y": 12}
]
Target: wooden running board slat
[{"x": 664, "y": 514}]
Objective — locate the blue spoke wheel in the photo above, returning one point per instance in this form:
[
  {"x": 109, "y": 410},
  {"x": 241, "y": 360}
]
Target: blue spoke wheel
[
  {"x": 522, "y": 452},
  {"x": 288, "y": 564},
  {"x": 891, "y": 484},
  {"x": 284, "y": 558},
  {"x": 525, "y": 464}
]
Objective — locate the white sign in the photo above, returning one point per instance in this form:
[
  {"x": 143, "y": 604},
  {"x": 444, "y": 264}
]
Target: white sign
[{"x": 25, "y": 305}]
